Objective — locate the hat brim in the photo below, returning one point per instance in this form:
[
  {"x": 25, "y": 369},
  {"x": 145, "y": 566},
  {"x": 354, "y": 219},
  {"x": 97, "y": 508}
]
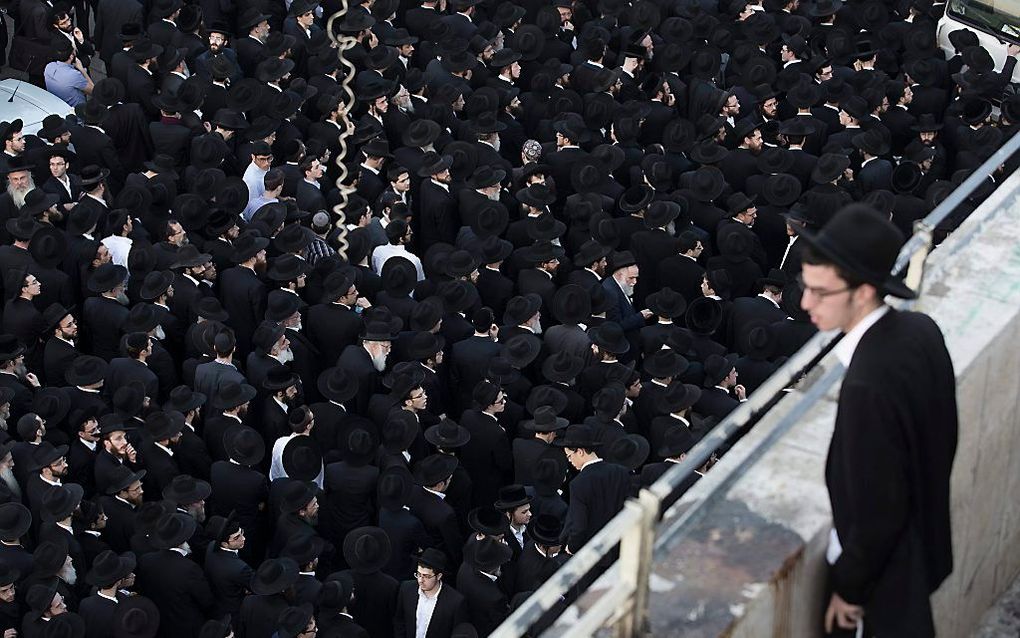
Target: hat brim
[{"x": 890, "y": 285}]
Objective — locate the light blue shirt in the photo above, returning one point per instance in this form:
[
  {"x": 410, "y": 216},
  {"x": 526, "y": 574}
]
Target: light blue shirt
[{"x": 66, "y": 82}]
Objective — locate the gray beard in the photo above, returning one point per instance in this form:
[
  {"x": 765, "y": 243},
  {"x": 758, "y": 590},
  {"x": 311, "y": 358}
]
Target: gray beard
[
  {"x": 285, "y": 356},
  {"x": 122, "y": 299},
  {"x": 68, "y": 575},
  {"x": 379, "y": 362},
  {"x": 7, "y": 475},
  {"x": 18, "y": 195}
]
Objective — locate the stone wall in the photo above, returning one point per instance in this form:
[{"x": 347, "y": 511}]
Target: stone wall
[{"x": 753, "y": 564}]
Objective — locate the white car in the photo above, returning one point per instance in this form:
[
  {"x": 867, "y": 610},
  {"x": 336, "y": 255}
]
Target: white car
[{"x": 29, "y": 103}]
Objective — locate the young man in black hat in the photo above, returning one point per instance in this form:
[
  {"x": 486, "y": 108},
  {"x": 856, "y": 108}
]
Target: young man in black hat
[
  {"x": 427, "y": 606},
  {"x": 897, "y": 410}
]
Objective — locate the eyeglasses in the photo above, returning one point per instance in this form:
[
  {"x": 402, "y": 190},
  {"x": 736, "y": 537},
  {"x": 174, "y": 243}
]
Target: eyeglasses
[
  {"x": 820, "y": 293},
  {"x": 415, "y": 398},
  {"x": 421, "y": 576}
]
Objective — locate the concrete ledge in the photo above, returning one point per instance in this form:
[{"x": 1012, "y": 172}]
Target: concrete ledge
[{"x": 753, "y": 565}]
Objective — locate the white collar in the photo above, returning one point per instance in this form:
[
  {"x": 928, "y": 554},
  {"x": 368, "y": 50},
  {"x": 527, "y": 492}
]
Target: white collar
[
  {"x": 164, "y": 448},
  {"x": 848, "y": 344},
  {"x": 441, "y": 495},
  {"x": 591, "y": 462}
]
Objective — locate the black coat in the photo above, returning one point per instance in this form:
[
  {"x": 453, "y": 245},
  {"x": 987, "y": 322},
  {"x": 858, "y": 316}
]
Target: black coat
[
  {"x": 486, "y": 456},
  {"x": 487, "y": 604},
  {"x": 180, "y": 590},
  {"x": 229, "y": 578},
  {"x": 102, "y": 318},
  {"x": 349, "y": 500},
  {"x": 332, "y": 327},
  {"x": 407, "y": 535},
  {"x": 450, "y": 611},
  {"x": 111, "y": 16},
  {"x": 467, "y": 363},
  {"x": 438, "y": 215},
  {"x": 243, "y": 296},
  {"x": 440, "y": 522},
  {"x": 120, "y": 523},
  {"x": 597, "y": 494},
  {"x": 259, "y": 615},
  {"x": 897, "y": 409}
]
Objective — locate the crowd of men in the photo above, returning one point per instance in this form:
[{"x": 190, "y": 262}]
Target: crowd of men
[{"x": 568, "y": 247}]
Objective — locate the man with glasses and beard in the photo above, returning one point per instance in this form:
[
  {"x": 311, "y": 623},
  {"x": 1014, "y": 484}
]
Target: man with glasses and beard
[
  {"x": 425, "y": 605},
  {"x": 19, "y": 183}
]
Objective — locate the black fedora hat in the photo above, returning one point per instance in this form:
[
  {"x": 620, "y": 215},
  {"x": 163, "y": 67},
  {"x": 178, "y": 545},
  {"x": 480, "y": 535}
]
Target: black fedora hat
[
  {"x": 107, "y": 277},
  {"x": 704, "y": 315},
  {"x": 760, "y": 342},
  {"x": 22, "y": 227},
  {"x": 609, "y": 336},
  {"x": 60, "y": 501},
  {"x": 590, "y": 252},
  {"x": 562, "y": 367},
  {"x": 660, "y": 213},
  {"x": 395, "y": 487},
  {"x": 488, "y": 520},
  {"x": 447, "y": 435},
  {"x": 421, "y": 133},
  {"x": 425, "y": 345},
  {"x": 173, "y": 529},
  {"x": 433, "y": 163},
  {"x": 53, "y": 315},
  {"x": 664, "y": 363},
  {"x": 246, "y": 246},
  {"x": 357, "y": 444},
  {"x": 521, "y": 308},
  {"x": 434, "y": 469},
  {"x": 109, "y": 567},
  {"x": 871, "y": 142},
  {"x": 400, "y": 431},
  {"x": 244, "y": 445},
  {"x": 679, "y": 396},
  {"x": 10, "y": 348},
  {"x": 579, "y": 436},
  {"x": 830, "y": 167},
  {"x": 707, "y": 183},
  {"x": 46, "y": 454},
  {"x": 676, "y": 440},
  {"x": 122, "y": 478},
  {"x": 545, "y": 396},
  {"x": 546, "y": 529},
  {"x": 488, "y": 555},
  {"x": 666, "y": 302},
  {"x": 491, "y": 219},
  {"x": 303, "y": 548},
  {"x": 545, "y": 420},
  {"x": 367, "y": 549},
  {"x": 186, "y": 490},
  {"x": 572, "y": 304},
  {"x": 636, "y": 198},
  {"x": 630, "y": 451},
  {"x": 781, "y": 189},
  {"x": 273, "y": 576},
  {"x": 302, "y": 458},
  {"x": 337, "y": 385},
  {"x": 296, "y": 495},
  {"x": 862, "y": 243},
  {"x": 717, "y": 367},
  {"x": 520, "y": 350},
  {"x": 134, "y": 617},
  {"x": 232, "y": 394},
  {"x": 183, "y": 399},
  {"x": 926, "y": 123},
  {"x": 15, "y": 520}
]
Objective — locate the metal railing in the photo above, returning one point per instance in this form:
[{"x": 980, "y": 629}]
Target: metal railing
[{"x": 623, "y": 602}]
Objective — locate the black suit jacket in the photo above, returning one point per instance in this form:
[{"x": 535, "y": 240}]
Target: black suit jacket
[
  {"x": 597, "y": 493},
  {"x": 486, "y": 602},
  {"x": 111, "y": 16},
  {"x": 450, "y": 611},
  {"x": 229, "y": 578},
  {"x": 103, "y": 317},
  {"x": 437, "y": 214},
  {"x": 897, "y": 409},
  {"x": 243, "y": 296},
  {"x": 486, "y": 456},
  {"x": 440, "y": 522}
]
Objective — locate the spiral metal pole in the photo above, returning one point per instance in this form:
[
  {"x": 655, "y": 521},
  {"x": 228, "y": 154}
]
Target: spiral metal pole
[{"x": 343, "y": 43}]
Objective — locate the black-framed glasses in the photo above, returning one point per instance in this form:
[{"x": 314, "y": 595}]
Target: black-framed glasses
[{"x": 820, "y": 293}]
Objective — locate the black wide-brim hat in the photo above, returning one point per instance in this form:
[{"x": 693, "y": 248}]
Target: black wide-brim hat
[
  {"x": 488, "y": 555},
  {"x": 447, "y": 435},
  {"x": 666, "y": 302},
  {"x": 488, "y": 520},
  {"x": 579, "y": 436},
  {"x": 273, "y": 576},
  {"x": 572, "y": 304},
  {"x": 704, "y": 315},
  {"x": 337, "y": 385},
  {"x": 562, "y": 367},
  {"x": 395, "y": 486},
  {"x": 302, "y": 458},
  {"x": 185, "y": 490},
  {"x": 511, "y": 497},
  {"x": 781, "y": 189},
  {"x": 677, "y": 440},
  {"x": 108, "y": 568},
  {"x": 829, "y": 167},
  {"x": 630, "y": 451},
  {"x": 244, "y": 445},
  {"x": 367, "y": 549},
  {"x": 173, "y": 529},
  {"x": 717, "y": 367},
  {"x": 609, "y": 336},
  {"x": 521, "y": 308},
  {"x": 680, "y": 396},
  {"x": 232, "y": 394},
  {"x": 863, "y": 244},
  {"x": 664, "y": 363},
  {"x": 434, "y": 469}
]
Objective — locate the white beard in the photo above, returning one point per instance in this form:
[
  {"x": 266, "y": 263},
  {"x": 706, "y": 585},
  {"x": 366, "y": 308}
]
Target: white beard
[
  {"x": 379, "y": 362},
  {"x": 285, "y": 356},
  {"x": 159, "y": 333},
  {"x": 18, "y": 195},
  {"x": 68, "y": 575}
]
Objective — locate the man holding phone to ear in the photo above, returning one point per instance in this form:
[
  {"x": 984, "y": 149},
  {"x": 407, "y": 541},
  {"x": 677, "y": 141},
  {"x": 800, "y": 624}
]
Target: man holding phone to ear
[{"x": 892, "y": 449}]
